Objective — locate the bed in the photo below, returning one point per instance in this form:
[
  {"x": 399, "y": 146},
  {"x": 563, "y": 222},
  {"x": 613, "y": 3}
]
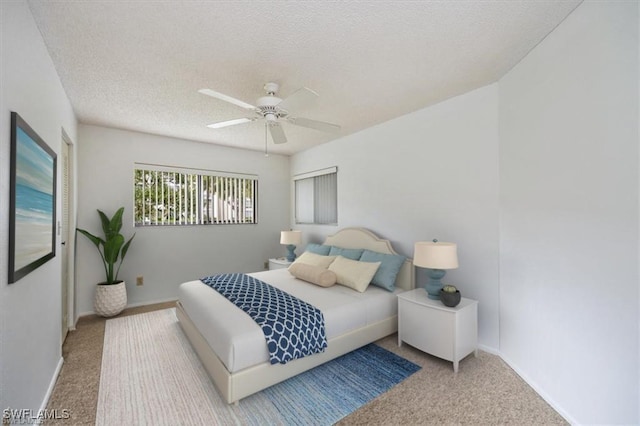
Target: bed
[{"x": 232, "y": 348}]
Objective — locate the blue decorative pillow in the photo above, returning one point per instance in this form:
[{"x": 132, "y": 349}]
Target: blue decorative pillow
[
  {"x": 353, "y": 254},
  {"x": 318, "y": 249},
  {"x": 386, "y": 274}
]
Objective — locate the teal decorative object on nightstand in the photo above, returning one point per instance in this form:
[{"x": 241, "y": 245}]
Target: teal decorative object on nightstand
[
  {"x": 437, "y": 257},
  {"x": 291, "y": 239}
]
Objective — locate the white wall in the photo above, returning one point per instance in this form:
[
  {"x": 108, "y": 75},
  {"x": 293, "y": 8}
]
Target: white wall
[
  {"x": 562, "y": 153},
  {"x": 30, "y": 309},
  {"x": 569, "y": 215},
  {"x": 168, "y": 256},
  {"x": 429, "y": 174}
]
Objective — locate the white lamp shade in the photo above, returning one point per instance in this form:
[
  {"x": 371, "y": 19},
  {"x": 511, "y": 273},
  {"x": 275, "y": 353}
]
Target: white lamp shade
[
  {"x": 291, "y": 237},
  {"x": 438, "y": 255}
]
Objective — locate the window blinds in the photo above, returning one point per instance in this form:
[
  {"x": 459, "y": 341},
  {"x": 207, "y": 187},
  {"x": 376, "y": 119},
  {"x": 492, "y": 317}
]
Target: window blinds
[
  {"x": 316, "y": 197},
  {"x": 178, "y": 196}
]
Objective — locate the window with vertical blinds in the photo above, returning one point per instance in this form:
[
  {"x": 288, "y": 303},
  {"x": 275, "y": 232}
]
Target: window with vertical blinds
[
  {"x": 316, "y": 197},
  {"x": 176, "y": 196}
]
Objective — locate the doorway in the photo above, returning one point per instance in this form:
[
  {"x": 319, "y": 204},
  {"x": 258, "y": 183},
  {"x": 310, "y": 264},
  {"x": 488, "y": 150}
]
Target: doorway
[{"x": 66, "y": 237}]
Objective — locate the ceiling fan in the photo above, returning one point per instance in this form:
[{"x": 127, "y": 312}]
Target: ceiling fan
[{"x": 274, "y": 110}]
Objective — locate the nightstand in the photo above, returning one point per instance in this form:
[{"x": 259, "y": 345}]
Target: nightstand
[
  {"x": 448, "y": 333},
  {"x": 279, "y": 263}
]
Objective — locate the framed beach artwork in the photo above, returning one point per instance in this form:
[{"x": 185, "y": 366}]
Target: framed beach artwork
[{"x": 32, "y": 217}]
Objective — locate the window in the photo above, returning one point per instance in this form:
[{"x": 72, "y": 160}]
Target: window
[
  {"x": 177, "y": 196},
  {"x": 316, "y": 197}
]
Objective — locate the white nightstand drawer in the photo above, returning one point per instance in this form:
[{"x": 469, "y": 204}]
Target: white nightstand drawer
[
  {"x": 280, "y": 263},
  {"x": 429, "y": 330}
]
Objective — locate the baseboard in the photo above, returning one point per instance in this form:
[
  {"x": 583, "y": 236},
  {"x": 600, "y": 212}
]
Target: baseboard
[
  {"x": 489, "y": 349},
  {"x": 131, "y": 305},
  {"x": 52, "y": 385},
  {"x": 538, "y": 390},
  {"x": 151, "y": 302}
]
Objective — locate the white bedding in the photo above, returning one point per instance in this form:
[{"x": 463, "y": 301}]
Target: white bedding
[{"x": 238, "y": 340}]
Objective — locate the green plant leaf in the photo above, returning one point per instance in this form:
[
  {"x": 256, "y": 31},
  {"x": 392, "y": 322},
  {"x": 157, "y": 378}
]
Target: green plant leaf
[
  {"x": 111, "y": 251},
  {"x": 95, "y": 240},
  {"x": 123, "y": 253},
  {"x": 106, "y": 229},
  {"x": 116, "y": 221},
  {"x": 125, "y": 248},
  {"x": 112, "y": 248}
]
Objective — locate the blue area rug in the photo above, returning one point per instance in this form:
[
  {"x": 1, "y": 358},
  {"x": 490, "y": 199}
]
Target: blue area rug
[
  {"x": 327, "y": 393},
  {"x": 150, "y": 375}
]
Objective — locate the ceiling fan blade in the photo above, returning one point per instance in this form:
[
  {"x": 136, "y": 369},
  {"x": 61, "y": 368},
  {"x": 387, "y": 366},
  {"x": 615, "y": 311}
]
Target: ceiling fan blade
[
  {"x": 298, "y": 99},
  {"x": 314, "y": 124},
  {"x": 226, "y": 98},
  {"x": 230, "y": 122},
  {"x": 277, "y": 134}
]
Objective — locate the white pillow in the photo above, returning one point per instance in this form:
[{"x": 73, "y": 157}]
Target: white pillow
[
  {"x": 354, "y": 274},
  {"x": 309, "y": 258}
]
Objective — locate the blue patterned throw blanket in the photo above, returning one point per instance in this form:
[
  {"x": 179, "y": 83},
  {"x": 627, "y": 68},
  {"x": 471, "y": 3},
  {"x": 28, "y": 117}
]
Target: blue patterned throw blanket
[{"x": 292, "y": 327}]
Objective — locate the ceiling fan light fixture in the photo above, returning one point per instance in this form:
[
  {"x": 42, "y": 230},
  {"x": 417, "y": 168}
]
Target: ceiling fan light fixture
[
  {"x": 271, "y": 118},
  {"x": 268, "y": 101}
]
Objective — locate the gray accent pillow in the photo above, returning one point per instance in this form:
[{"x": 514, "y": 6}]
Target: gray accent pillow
[
  {"x": 353, "y": 254},
  {"x": 318, "y": 249},
  {"x": 386, "y": 274}
]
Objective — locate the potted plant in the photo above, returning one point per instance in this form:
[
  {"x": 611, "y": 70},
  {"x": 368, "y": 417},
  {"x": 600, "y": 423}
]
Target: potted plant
[
  {"x": 111, "y": 295},
  {"x": 450, "y": 296}
]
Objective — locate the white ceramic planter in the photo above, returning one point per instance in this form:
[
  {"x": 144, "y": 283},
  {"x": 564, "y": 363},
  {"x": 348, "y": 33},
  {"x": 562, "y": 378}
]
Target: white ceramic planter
[{"x": 110, "y": 300}]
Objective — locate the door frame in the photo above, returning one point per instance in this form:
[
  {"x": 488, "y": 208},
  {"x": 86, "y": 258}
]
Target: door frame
[{"x": 69, "y": 239}]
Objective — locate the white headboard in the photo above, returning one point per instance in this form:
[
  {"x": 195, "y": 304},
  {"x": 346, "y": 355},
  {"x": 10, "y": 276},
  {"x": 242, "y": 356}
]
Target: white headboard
[{"x": 360, "y": 238}]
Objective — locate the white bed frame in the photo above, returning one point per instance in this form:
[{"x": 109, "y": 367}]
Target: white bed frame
[{"x": 235, "y": 386}]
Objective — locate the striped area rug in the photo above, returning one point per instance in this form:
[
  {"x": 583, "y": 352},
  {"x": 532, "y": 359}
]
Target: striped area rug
[{"x": 151, "y": 376}]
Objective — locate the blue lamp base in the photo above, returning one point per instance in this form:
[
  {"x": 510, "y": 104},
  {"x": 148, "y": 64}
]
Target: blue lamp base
[
  {"x": 434, "y": 285},
  {"x": 291, "y": 254}
]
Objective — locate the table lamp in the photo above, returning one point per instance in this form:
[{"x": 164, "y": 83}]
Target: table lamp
[
  {"x": 291, "y": 239},
  {"x": 437, "y": 257}
]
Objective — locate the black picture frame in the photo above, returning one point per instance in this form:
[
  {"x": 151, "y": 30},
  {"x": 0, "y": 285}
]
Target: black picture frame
[{"x": 32, "y": 215}]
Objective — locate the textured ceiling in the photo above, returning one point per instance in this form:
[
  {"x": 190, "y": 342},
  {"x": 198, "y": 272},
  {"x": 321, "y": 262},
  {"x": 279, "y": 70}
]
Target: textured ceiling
[{"x": 138, "y": 64}]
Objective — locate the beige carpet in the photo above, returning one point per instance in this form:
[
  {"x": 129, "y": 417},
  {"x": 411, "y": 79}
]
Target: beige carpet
[{"x": 485, "y": 390}]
